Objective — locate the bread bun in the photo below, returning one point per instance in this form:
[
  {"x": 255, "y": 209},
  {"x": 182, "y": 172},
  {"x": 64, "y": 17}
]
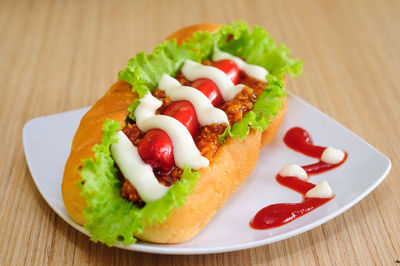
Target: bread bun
[
  {"x": 113, "y": 105},
  {"x": 226, "y": 172}
]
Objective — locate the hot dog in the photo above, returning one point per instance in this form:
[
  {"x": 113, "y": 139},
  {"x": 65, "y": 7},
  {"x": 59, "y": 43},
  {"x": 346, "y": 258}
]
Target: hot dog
[{"x": 188, "y": 198}]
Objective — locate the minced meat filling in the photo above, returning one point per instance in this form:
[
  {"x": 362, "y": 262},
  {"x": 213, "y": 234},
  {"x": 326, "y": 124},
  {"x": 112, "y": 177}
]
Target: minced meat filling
[
  {"x": 160, "y": 95},
  {"x": 133, "y": 133},
  {"x": 129, "y": 192},
  {"x": 208, "y": 139},
  {"x": 240, "y": 105}
]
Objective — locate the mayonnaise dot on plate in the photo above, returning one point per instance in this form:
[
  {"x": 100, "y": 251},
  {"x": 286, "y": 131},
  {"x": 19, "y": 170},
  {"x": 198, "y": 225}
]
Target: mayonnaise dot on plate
[
  {"x": 332, "y": 155},
  {"x": 293, "y": 170},
  {"x": 321, "y": 190}
]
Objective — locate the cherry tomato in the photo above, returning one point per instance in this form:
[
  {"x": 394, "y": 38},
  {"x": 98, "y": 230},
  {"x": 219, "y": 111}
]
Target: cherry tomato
[
  {"x": 184, "y": 112},
  {"x": 209, "y": 89},
  {"x": 156, "y": 147},
  {"x": 156, "y": 150},
  {"x": 230, "y": 68}
]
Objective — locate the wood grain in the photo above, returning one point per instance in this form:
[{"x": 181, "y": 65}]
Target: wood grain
[{"x": 61, "y": 55}]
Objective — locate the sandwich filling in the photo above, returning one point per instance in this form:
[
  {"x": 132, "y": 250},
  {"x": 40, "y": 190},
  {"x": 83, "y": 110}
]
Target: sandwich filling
[
  {"x": 112, "y": 217},
  {"x": 196, "y": 151}
]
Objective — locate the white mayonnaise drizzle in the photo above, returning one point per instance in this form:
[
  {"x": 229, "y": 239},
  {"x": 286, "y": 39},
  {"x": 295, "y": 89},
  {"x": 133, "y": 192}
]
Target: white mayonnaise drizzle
[
  {"x": 135, "y": 170},
  {"x": 193, "y": 70},
  {"x": 206, "y": 112},
  {"x": 185, "y": 150},
  {"x": 321, "y": 190},
  {"x": 125, "y": 154},
  {"x": 293, "y": 170},
  {"x": 255, "y": 71},
  {"x": 332, "y": 155}
]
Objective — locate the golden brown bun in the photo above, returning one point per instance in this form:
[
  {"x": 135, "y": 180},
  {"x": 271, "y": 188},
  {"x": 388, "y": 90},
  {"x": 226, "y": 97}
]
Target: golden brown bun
[
  {"x": 216, "y": 184},
  {"x": 186, "y": 33},
  {"x": 114, "y": 106}
]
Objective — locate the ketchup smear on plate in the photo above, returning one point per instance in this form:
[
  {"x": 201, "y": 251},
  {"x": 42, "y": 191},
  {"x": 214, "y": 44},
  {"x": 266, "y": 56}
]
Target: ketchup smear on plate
[{"x": 279, "y": 214}]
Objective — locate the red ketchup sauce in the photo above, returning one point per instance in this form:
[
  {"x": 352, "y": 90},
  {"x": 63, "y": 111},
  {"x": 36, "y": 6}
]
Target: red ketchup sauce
[{"x": 279, "y": 214}]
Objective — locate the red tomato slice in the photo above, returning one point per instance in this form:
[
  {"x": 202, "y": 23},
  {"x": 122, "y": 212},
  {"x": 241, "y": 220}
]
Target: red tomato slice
[
  {"x": 230, "y": 68},
  {"x": 209, "y": 89},
  {"x": 184, "y": 112},
  {"x": 156, "y": 150}
]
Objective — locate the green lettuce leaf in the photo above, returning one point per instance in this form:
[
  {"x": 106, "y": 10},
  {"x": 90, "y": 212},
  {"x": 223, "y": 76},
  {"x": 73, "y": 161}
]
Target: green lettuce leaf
[
  {"x": 258, "y": 48},
  {"x": 109, "y": 216},
  {"x": 255, "y": 46},
  {"x": 267, "y": 106}
]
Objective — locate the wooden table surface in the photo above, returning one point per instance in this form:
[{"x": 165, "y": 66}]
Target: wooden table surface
[{"x": 61, "y": 55}]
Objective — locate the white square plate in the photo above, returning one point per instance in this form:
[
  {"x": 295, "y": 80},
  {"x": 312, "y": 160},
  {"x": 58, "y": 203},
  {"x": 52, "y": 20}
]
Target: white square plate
[{"x": 47, "y": 143}]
